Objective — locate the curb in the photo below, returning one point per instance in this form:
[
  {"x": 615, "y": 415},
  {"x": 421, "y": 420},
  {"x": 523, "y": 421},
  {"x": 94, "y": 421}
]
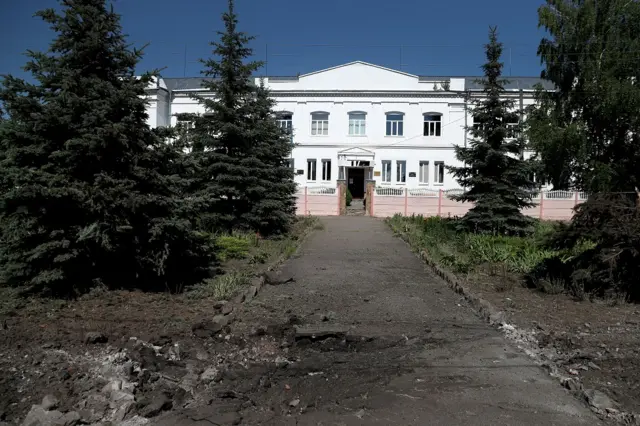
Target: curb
[
  {"x": 258, "y": 282},
  {"x": 487, "y": 311},
  {"x": 496, "y": 317}
]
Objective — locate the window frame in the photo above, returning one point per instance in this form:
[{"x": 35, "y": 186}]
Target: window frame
[
  {"x": 312, "y": 166},
  {"x": 386, "y": 172},
  {"x": 399, "y": 124},
  {"x": 438, "y": 170},
  {"x": 423, "y": 176},
  {"x": 401, "y": 177},
  {"x": 326, "y": 170},
  {"x": 432, "y": 128},
  {"x": 361, "y": 123},
  {"x": 325, "y": 124}
]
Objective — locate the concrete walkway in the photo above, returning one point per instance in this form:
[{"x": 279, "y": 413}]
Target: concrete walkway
[{"x": 415, "y": 354}]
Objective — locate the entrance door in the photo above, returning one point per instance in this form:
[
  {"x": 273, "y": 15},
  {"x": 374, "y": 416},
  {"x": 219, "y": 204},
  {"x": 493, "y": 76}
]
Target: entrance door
[{"x": 356, "y": 182}]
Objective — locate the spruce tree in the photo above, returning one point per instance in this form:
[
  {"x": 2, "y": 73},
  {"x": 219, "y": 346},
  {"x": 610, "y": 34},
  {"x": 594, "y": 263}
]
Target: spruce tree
[
  {"x": 271, "y": 196},
  {"x": 87, "y": 196},
  {"x": 495, "y": 177},
  {"x": 222, "y": 137}
]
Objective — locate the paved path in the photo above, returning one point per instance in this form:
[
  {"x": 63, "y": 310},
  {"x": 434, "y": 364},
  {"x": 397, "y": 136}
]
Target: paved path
[{"x": 417, "y": 354}]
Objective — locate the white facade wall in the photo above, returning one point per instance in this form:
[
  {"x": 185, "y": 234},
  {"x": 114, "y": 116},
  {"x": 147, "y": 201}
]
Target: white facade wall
[{"x": 366, "y": 88}]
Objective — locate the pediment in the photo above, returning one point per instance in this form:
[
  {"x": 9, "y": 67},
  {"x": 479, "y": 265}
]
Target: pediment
[
  {"x": 359, "y": 76},
  {"x": 356, "y": 150}
]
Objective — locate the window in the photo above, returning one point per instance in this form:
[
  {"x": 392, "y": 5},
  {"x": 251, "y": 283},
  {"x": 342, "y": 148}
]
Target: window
[
  {"x": 432, "y": 124},
  {"x": 395, "y": 124},
  {"x": 326, "y": 170},
  {"x": 289, "y": 162},
  {"x": 477, "y": 123},
  {"x": 285, "y": 121},
  {"x": 386, "y": 170},
  {"x": 357, "y": 123},
  {"x": 311, "y": 170},
  {"x": 423, "y": 176},
  {"x": 320, "y": 123},
  {"x": 401, "y": 171},
  {"x": 438, "y": 176},
  {"x": 512, "y": 122}
]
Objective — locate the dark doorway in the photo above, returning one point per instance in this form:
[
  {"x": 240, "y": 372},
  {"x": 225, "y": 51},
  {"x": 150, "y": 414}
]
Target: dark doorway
[{"x": 356, "y": 182}]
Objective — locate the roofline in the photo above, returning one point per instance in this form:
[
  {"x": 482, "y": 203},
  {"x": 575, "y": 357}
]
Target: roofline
[{"x": 360, "y": 63}]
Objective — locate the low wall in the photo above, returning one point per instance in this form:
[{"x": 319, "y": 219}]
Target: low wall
[
  {"x": 550, "y": 205},
  {"x": 317, "y": 201}
]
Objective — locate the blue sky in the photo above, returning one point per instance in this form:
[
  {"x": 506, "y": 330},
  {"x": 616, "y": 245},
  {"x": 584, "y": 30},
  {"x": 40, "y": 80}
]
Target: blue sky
[{"x": 438, "y": 37}]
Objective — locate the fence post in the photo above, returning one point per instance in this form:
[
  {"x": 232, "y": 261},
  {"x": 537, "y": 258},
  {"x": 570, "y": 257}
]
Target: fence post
[
  {"x": 576, "y": 199},
  {"x": 306, "y": 210},
  {"x": 440, "y": 202},
  {"x": 541, "y": 205},
  {"x": 373, "y": 192},
  {"x": 406, "y": 200}
]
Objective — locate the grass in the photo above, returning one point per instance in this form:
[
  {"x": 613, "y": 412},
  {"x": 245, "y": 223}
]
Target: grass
[
  {"x": 221, "y": 287},
  {"x": 468, "y": 253},
  {"x": 242, "y": 254}
]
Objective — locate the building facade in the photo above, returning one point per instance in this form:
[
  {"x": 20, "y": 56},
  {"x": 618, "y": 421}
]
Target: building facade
[{"x": 361, "y": 121}]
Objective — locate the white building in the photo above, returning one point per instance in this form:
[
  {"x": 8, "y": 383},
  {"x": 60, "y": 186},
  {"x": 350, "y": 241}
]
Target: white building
[{"x": 360, "y": 121}]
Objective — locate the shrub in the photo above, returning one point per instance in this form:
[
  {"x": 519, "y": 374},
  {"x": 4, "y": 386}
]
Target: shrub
[
  {"x": 349, "y": 197},
  {"x": 232, "y": 246}
]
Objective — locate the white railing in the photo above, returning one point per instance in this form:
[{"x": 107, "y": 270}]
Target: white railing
[
  {"x": 452, "y": 192},
  {"x": 424, "y": 192},
  {"x": 321, "y": 190},
  {"x": 559, "y": 195},
  {"x": 386, "y": 191}
]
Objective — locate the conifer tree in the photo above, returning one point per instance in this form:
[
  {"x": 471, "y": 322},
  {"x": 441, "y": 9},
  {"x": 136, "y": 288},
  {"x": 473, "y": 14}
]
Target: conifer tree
[
  {"x": 495, "y": 177},
  {"x": 222, "y": 137},
  {"x": 271, "y": 197},
  {"x": 242, "y": 180},
  {"x": 86, "y": 194}
]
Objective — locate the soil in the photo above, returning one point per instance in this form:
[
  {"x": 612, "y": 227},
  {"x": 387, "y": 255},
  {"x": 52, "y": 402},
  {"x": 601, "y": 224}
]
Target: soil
[
  {"x": 362, "y": 333},
  {"x": 598, "y": 339}
]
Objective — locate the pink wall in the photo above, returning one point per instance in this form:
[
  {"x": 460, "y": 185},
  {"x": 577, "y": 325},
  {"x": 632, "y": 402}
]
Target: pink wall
[
  {"x": 554, "y": 205},
  {"x": 316, "y": 204}
]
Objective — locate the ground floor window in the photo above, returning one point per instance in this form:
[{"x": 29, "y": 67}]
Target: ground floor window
[
  {"x": 311, "y": 170},
  {"x": 439, "y": 172},
  {"x": 401, "y": 171},
  {"x": 424, "y": 172},
  {"x": 326, "y": 170},
  {"x": 386, "y": 170}
]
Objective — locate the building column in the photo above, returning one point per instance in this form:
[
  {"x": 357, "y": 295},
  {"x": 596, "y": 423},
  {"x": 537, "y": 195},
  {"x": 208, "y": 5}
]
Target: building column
[
  {"x": 342, "y": 197},
  {"x": 371, "y": 189}
]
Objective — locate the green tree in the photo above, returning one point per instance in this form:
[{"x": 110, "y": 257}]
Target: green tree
[
  {"x": 271, "y": 193},
  {"x": 87, "y": 195},
  {"x": 221, "y": 139},
  {"x": 495, "y": 177},
  {"x": 242, "y": 179},
  {"x": 587, "y": 131}
]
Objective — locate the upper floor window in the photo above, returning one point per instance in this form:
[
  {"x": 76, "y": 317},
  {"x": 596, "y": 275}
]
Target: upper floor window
[
  {"x": 512, "y": 123},
  {"x": 477, "y": 123},
  {"x": 320, "y": 123},
  {"x": 432, "y": 124},
  {"x": 357, "y": 123},
  {"x": 395, "y": 125},
  {"x": 285, "y": 121}
]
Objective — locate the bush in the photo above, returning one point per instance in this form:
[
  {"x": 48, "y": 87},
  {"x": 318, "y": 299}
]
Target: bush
[
  {"x": 234, "y": 246},
  {"x": 349, "y": 197}
]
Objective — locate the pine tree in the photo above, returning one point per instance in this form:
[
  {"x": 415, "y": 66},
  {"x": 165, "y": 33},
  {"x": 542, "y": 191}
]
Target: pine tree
[
  {"x": 271, "y": 197},
  {"x": 87, "y": 196},
  {"x": 495, "y": 177},
  {"x": 222, "y": 137}
]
